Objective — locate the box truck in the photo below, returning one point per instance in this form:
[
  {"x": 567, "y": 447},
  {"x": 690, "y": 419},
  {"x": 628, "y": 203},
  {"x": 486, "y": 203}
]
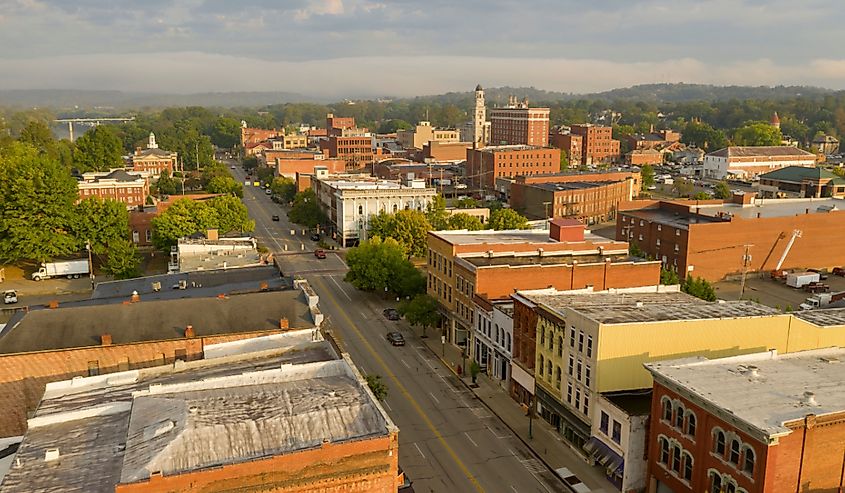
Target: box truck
[
  {"x": 801, "y": 279},
  {"x": 71, "y": 269}
]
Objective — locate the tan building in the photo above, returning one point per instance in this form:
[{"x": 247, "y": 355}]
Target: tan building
[
  {"x": 152, "y": 160},
  {"x": 518, "y": 124},
  {"x": 131, "y": 190},
  {"x": 424, "y": 133},
  {"x": 749, "y": 162},
  {"x": 641, "y": 157},
  {"x": 439, "y": 151},
  {"x": 597, "y": 144},
  {"x": 588, "y": 201}
]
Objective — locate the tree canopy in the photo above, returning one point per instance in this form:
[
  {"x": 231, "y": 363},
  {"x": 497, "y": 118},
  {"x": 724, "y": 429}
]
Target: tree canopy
[
  {"x": 462, "y": 220},
  {"x": 374, "y": 264},
  {"x": 305, "y": 210},
  {"x": 758, "y": 134},
  {"x": 421, "y": 310},
  {"x": 99, "y": 149},
  {"x": 647, "y": 176},
  {"x": 186, "y": 217},
  {"x": 102, "y": 222},
  {"x": 408, "y": 227},
  {"x": 700, "y": 288},
  {"x": 123, "y": 260},
  {"x": 507, "y": 219},
  {"x": 225, "y": 184}
]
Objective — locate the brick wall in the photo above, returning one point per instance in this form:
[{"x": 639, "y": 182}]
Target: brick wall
[
  {"x": 369, "y": 465},
  {"x": 24, "y": 375}
]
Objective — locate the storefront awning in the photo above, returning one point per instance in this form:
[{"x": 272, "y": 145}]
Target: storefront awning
[{"x": 603, "y": 454}]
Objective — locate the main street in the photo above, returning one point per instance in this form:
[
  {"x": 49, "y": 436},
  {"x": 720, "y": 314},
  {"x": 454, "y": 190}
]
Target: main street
[{"x": 449, "y": 441}]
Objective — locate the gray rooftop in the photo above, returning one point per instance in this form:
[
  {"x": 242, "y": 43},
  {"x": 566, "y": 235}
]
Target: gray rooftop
[
  {"x": 547, "y": 259},
  {"x": 769, "y": 397},
  {"x": 61, "y": 328},
  {"x": 636, "y": 307},
  {"x": 570, "y": 185},
  {"x": 174, "y": 419},
  {"x": 823, "y": 317}
]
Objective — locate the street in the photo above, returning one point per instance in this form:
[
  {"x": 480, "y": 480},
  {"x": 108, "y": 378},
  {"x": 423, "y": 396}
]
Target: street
[{"x": 449, "y": 441}]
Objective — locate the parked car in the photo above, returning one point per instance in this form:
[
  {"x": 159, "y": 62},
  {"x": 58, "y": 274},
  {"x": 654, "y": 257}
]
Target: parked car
[
  {"x": 268, "y": 192},
  {"x": 320, "y": 253},
  {"x": 391, "y": 314},
  {"x": 395, "y": 338},
  {"x": 10, "y": 297},
  {"x": 838, "y": 271},
  {"x": 275, "y": 217},
  {"x": 315, "y": 237}
]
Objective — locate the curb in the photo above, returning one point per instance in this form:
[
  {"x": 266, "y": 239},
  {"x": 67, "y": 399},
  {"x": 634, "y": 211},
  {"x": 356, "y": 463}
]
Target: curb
[{"x": 515, "y": 433}]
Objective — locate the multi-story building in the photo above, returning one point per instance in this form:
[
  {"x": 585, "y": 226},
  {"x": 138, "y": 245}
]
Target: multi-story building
[
  {"x": 492, "y": 264},
  {"x": 503, "y": 185},
  {"x": 517, "y": 124},
  {"x": 570, "y": 144},
  {"x": 486, "y": 164},
  {"x": 712, "y": 239},
  {"x": 251, "y": 136},
  {"x": 289, "y": 163},
  {"x": 402, "y": 169},
  {"x": 588, "y": 201},
  {"x": 619, "y": 430},
  {"x": 129, "y": 189},
  {"x": 597, "y": 143},
  {"x": 826, "y": 144},
  {"x": 294, "y": 417},
  {"x": 492, "y": 338},
  {"x": 152, "y": 160},
  {"x": 748, "y": 162},
  {"x": 801, "y": 181},
  {"x": 356, "y": 151},
  {"x": 763, "y": 422},
  {"x": 350, "y": 200},
  {"x": 455, "y": 152},
  {"x": 424, "y": 133},
  {"x": 338, "y": 126},
  {"x": 642, "y": 157},
  {"x": 651, "y": 140},
  {"x": 289, "y": 141}
]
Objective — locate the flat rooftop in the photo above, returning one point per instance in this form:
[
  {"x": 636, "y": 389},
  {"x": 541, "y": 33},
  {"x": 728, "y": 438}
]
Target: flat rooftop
[
  {"x": 633, "y": 402},
  {"x": 823, "y": 317},
  {"x": 771, "y": 396},
  {"x": 515, "y": 236},
  {"x": 81, "y": 326},
  {"x": 571, "y": 185},
  {"x": 548, "y": 258},
  {"x": 639, "y": 307},
  {"x": 709, "y": 213},
  {"x": 174, "y": 419}
]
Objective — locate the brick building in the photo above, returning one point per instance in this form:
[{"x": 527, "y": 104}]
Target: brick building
[
  {"x": 290, "y": 162},
  {"x": 641, "y": 157},
  {"x": 462, "y": 264},
  {"x": 275, "y": 414},
  {"x": 251, "y": 136},
  {"x": 713, "y": 239},
  {"x": 801, "y": 181},
  {"x": 356, "y": 151},
  {"x": 597, "y": 143},
  {"x": 440, "y": 151},
  {"x": 652, "y": 140},
  {"x": 748, "y": 162},
  {"x": 433, "y": 174},
  {"x": 338, "y": 126},
  {"x": 152, "y": 160},
  {"x": 140, "y": 218},
  {"x": 48, "y": 345},
  {"x": 569, "y": 143},
  {"x": 757, "y": 423},
  {"x": 486, "y": 164},
  {"x": 588, "y": 201},
  {"x": 424, "y": 133},
  {"x": 129, "y": 189},
  {"x": 517, "y": 124}
]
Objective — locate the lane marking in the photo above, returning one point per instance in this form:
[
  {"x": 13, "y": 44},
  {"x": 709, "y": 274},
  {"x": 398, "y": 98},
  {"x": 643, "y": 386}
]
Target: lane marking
[
  {"x": 404, "y": 391},
  {"x": 420, "y": 451},
  {"x": 494, "y": 433},
  {"x": 386, "y": 405},
  {"x": 514, "y": 489},
  {"x": 340, "y": 288},
  {"x": 435, "y": 398},
  {"x": 406, "y": 364},
  {"x": 470, "y": 439}
]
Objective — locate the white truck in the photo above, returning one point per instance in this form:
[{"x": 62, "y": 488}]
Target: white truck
[
  {"x": 801, "y": 279},
  {"x": 71, "y": 269},
  {"x": 821, "y": 300}
]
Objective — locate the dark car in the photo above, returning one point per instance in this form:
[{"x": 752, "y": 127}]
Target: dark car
[
  {"x": 275, "y": 217},
  {"x": 315, "y": 237},
  {"x": 395, "y": 338},
  {"x": 320, "y": 253},
  {"x": 391, "y": 314}
]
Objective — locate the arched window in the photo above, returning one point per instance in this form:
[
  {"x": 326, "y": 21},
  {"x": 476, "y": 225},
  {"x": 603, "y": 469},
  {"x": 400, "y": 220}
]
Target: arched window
[
  {"x": 542, "y": 336},
  {"x": 715, "y": 483},
  {"x": 676, "y": 459},
  {"x": 667, "y": 409},
  {"x": 557, "y": 377},
  {"x": 733, "y": 456},
  {"x": 679, "y": 417},
  {"x": 690, "y": 424},
  {"x": 730, "y": 488},
  {"x": 360, "y": 209},
  {"x": 541, "y": 365},
  {"x": 719, "y": 443},
  {"x": 664, "y": 450},
  {"x": 549, "y": 368},
  {"x": 687, "y": 466},
  {"x": 748, "y": 463},
  {"x": 395, "y": 208},
  {"x": 560, "y": 346},
  {"x": 508, "y": 340}
]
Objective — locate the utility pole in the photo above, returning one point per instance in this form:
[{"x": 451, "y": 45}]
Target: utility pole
[
  {"x": 90, "y": 263},
  {"x": 546, "y": 206},
  {"x": 746, "y": 261}
]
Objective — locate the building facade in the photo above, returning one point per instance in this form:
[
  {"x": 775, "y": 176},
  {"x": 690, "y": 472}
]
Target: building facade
[
  {"x": 517, "y": 124},
  {"x": 152, "y": 161},
  {"x": 289, "y": 163},
  {"x": 570, "y": 144},
  {"x": 749, "y": 162},
  {"x": 588, "y": 201},
  {"x": 597, "y": 144},
  {"x": 486, "y": 164},
  {"x": 492, "y": 338},
  {"x": 423, "y": 133},
  {"x": 251, "y": 136},
  {"x": 356, "y": 151},
  {"x": 130, "y": 190},
  {"x": 801, "y": 181}
]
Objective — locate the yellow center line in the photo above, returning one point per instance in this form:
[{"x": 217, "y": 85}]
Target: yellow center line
[{"x": 404, "y": 391}]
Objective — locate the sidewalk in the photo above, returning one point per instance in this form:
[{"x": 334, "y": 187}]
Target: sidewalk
[{"x": 546, "y": 443}]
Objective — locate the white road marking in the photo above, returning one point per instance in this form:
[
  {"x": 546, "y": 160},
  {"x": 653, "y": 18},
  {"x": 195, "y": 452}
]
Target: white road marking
[
  {"x": 514, "y": 489},
  {"x": 470, "y": 439},
  {"x": 420, "y": 451},
  {"x": 435, "y": 398},
  {"x": 386, "y": 405},
  {"x": 494, "y": 433},
  {"x": 404, "y": 363},
  {"x": 365, "y": 316},
  {"x": 512, "y": 452},
  {"x": 340, "y": 288}
]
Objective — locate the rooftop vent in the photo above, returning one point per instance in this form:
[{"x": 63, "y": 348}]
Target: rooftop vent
[
  {"x": 809, "y": 399},
  {"x": 830, "y": 359},
  {"x": 51, "y": 454},
  {"x": 639, "y": 304},
  {"x": 753, "y": 371}
]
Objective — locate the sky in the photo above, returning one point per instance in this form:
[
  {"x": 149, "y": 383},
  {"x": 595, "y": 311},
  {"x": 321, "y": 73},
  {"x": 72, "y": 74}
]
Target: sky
[{"x": 371, "y": 48}]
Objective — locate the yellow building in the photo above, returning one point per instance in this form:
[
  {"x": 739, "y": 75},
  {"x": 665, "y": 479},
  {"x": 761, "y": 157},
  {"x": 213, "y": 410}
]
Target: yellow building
[{"x": 424, "y": 133}]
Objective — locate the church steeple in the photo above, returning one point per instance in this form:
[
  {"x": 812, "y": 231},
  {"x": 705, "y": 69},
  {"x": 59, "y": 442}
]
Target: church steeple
[{"x": 151, "y": 144}]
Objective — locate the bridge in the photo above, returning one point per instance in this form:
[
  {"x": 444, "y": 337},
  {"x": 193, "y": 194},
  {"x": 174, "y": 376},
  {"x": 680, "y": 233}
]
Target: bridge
[{"x": 91, "y": 122}]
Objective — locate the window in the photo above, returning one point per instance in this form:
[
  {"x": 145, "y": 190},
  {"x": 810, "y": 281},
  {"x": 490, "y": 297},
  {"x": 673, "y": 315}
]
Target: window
[
  {"x": 577, "y": 398},
  {"x": 586, "y": 404},
  {"x": 587, "y": 375},
  {"x": 676, "y": 459},
  {"x": 667, "y": 409},
  {"x": 748, "y": 463},
  {"x": 557, "y": 377},
  {"x": 664, "y": 450},
  {"x": 508, "y": 341},
  {"x": 542, "y": 336},
  {"x": 572, "y": 337},
  {"x": 360, "y": 209},
  {"x": 549, "y": 368},
  {"x": 679, "y": 418},
  {"x": 540, "y": 366},
  {"x": 93, "y": 368},
  {"x": 716, "y": 483},
  {"x": 569, "y": 393},
  {"x": 581, "y": 342},
  {"x": 617, "y": 432},
  {"x": 730, "y": 488},
  {"x": 571, "y": 365},
  {"x": 578, "y": 370},
  {"x": 719, "y": 443},
  {"x": 690, "y": 424},
  {"x": 560, "y": 346},
  {"x": 604, "y": 422},
  {"x": 733, "y": 456},
  {"x": 589, "y": 346},
  {"x": 687, "y": 466}
]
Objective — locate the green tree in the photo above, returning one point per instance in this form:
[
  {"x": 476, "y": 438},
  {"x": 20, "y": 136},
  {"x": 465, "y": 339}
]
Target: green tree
[
  {"x": 758, "y": 134},
  {"x": 421, "y": 310},
  {"x": 409, "y": 227},
  {"x": 377, "y": 386},
  {"x": 703, "y": 136},
  {"x": 436, "y": 214},
  {"x": 123, "y": 260},
  {"x": 231, "y": 214},
  {"x": 669, "y": 276},
  {"x": 647, "y": 176},
  {"x": 284, "y": 187},
  {"x": 166, "y": 185},
  {"x": 408, "y": 281},
  {"x": 474, "y": 370},
  {"x": 265, "y": 174},
  {"x": 250, "y": 163},
  {"x": 37, "y": 134},
  {"x": 698, "y": 287},
  {"x": 564, "y": 161},
  {"x": 722, "y": 191},
  {"x": 683, "y": 187},
  {"x": 226, "y": 132},
  {"x": 37, "y": 198},
  {"x": 306, "y": 210},
  {"x": 225, "y": 184},
  {"x": 374, "y": 263},
  {"x": 467, "y": 203},
  {"x": 391, "y": 126},
  {"x": 462, "y": 220},
  {"x": 700, "y": 196},
  {"x": 183, "y": 218},
  {"x": 507, "y": 219},
  {"x": 99, "y": 149},
  {"x": 100, "y": 222}
]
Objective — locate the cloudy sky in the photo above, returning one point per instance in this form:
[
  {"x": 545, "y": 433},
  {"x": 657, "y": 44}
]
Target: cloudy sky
[{"x": 354, "y": 48}]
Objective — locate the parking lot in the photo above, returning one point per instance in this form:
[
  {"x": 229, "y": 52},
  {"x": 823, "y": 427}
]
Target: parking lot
[{"x": 763, "y": 289}]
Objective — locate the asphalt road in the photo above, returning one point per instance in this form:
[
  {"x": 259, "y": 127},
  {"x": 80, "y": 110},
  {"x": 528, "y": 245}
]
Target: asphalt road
[{"x": 449, "y": 441}]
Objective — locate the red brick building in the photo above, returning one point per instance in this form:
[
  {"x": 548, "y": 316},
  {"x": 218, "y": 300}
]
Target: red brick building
[
  {"x": 252, "y": 136},
  {"x": 289, "y": 163},
  {"x": 748, "y": 424},
  {"x": 570, "y": 144},
  {"x": 597, "y": 143},
  {"x": 641, "y": 157},
  {"x": 486, "y": 164},
  {"x": 713, "y": 239},
  {"x": 152, "y": 160},
  {"x": 141, "y": 218},
  {"x": 588, "y": 201},
  {"x": 131, "y": 190},
  {"x": 517, "y": 124},
  {"x": 355, "y": 151},
  {"x": 444, "y": 151},
  {"x": 337, "y": 126}
]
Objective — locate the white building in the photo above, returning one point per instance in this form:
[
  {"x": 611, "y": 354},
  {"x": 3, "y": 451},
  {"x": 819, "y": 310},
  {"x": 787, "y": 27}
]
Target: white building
[
  {"x": 748, "y": 162},
  {"x": 492, "y": 338},
  {"x": 349, "y": 200},
  {"x": 619, "y": 436},
  {"x": 213, "y": 252}
]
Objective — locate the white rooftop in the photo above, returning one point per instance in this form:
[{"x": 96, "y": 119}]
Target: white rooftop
[{"x": 764, "y": 390}]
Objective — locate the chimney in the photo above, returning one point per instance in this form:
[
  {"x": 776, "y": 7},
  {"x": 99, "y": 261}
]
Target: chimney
[
  {"x": 105, "y": 339},
  {"x": 810, "y": 399},
  {"x": 284, "y": 324},
  {"x": 54, "y": 304},
  {"x": 189, "y": 332},
  {"x": 211, "y": 234}
]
